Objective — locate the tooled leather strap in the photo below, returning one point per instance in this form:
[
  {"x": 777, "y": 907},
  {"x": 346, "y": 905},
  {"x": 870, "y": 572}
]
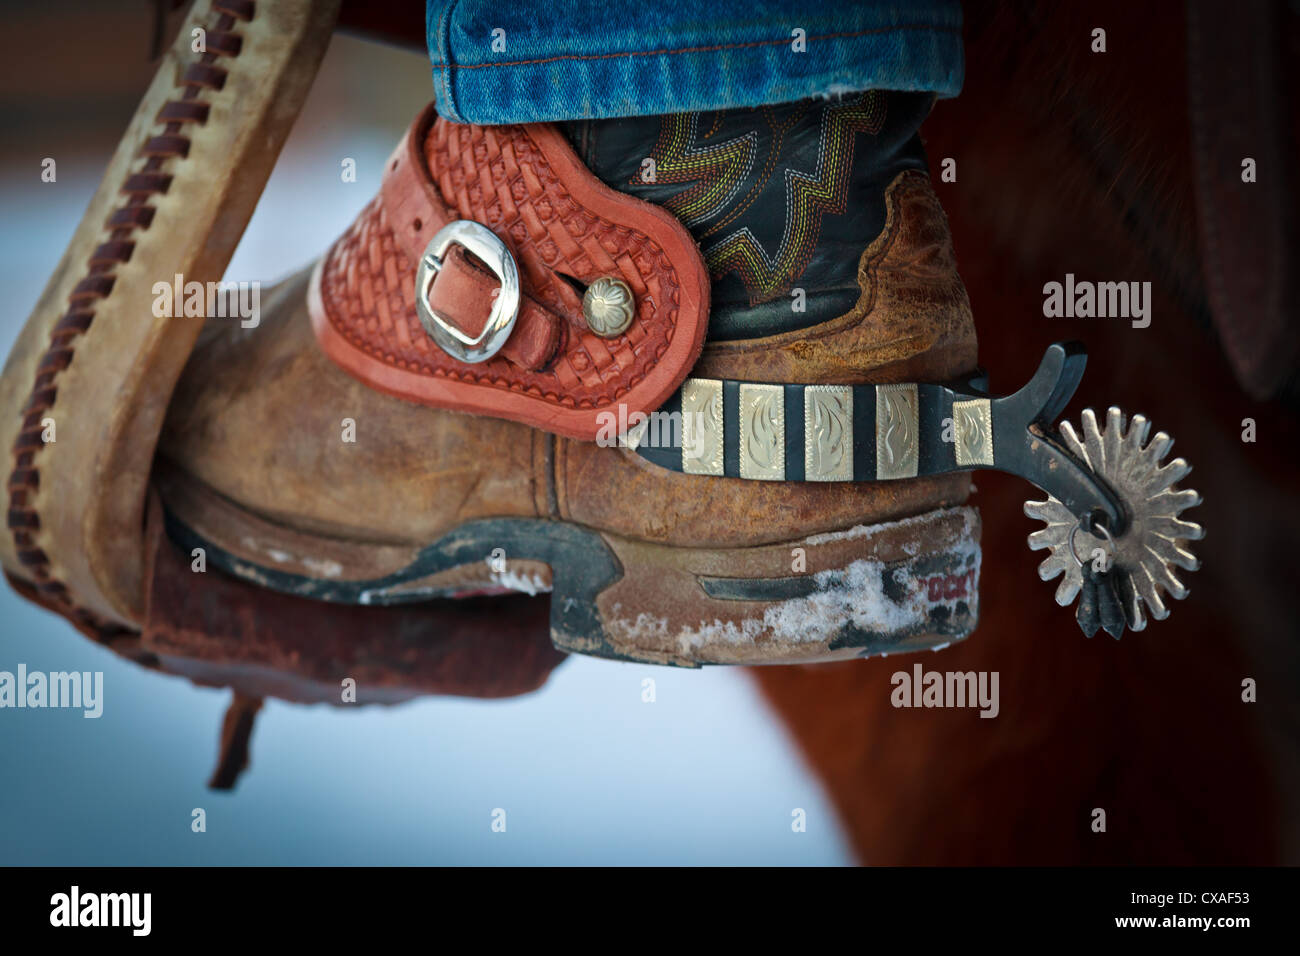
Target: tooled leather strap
[
  {"x": 463, "y": 292},
  {"x": 563, "y": 368}
]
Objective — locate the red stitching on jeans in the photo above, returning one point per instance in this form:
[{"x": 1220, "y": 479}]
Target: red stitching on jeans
[
  {"x": 96, "y": 284},
  {"x": 699, "y": 49}
]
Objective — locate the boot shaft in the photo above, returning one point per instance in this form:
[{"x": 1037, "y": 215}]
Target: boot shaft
[{"x": 782, "y": 200}]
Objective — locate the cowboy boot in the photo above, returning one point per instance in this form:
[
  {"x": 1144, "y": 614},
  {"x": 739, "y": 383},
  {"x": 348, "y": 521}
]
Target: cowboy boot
[
  {"x": 452, "y": 400},
  {"x": 382, "y": 437}
]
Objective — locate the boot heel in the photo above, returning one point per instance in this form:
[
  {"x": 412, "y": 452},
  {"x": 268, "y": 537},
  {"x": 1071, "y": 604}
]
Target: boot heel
[{"x": 870, "y": 590}]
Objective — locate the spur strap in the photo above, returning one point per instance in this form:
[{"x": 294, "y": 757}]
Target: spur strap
[
  {"x": 494, "y": 274},
  {"x": 782, "y": 432}
]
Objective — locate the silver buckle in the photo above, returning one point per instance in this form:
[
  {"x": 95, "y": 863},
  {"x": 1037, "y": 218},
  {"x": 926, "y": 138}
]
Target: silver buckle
[{"x": 484, "y": 244}]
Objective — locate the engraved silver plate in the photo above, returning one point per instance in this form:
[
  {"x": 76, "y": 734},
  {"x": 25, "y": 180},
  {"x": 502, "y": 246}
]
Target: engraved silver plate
[
  {"x": 702, "y": 426},
  {"x": 762, "y": 432},
  {"x": 972, "y": 424},
  {"x": 828, "y": 433},
  {"x": 897, "y": 445}
]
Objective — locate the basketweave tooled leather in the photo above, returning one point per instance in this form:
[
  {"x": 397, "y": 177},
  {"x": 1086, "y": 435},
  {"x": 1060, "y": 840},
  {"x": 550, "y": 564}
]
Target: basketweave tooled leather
[{"x": 564, "y": 228}]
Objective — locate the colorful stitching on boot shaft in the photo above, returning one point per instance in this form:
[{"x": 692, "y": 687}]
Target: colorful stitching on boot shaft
[{"x": 718, "y": 172}]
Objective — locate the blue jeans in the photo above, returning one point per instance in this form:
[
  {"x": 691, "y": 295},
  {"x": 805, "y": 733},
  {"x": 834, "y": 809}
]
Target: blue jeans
[{"x": 499, "y": 62}]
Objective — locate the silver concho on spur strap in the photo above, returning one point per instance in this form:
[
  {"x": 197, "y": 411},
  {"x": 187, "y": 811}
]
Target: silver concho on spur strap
[{"x": 1113, "y": 515}]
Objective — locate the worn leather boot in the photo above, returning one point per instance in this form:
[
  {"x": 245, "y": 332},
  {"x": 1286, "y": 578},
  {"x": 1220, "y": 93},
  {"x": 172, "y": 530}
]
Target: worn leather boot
[
  {"x": 664, "y": 368},
  {"x": 328, "y": 453}
]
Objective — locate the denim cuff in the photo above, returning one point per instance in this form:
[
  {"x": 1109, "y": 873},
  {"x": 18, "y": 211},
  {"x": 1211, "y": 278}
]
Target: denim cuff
[{"x": 587, "y": 59}]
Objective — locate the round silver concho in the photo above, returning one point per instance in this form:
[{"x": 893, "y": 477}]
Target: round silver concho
[{"x": 608, "y": 306}]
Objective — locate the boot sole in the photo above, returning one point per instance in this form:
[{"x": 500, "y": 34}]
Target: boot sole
[{"x": 864, "y": 591}]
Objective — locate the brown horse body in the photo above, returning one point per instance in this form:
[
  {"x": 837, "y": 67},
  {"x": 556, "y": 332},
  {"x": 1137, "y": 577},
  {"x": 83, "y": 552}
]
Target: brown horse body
[{"x": 1077, "y": 162}]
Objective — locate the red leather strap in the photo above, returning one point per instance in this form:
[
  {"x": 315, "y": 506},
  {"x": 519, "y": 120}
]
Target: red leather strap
[
  {"x": 565, "y": 230},
  {"x": 462, "y": 293}
]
